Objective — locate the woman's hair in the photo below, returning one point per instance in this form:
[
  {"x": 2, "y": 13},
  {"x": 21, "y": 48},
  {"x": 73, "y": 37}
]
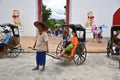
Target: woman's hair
[{"x": 75, "y": 33}]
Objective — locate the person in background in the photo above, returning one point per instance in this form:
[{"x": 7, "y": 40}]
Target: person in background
[
  {"x": 56, "y": 32},
  {"x": 65, "y": 33},
  {"x": 49, "y": 32},
  {"x": 41, "y": 45},
  {"x": 6, "y": 39},
  {"x": 61, "y": 31},
  {"x": 116, "y": 44},
  {"x": 94, "y": 30},
  {"x": 100, "y": 37}
]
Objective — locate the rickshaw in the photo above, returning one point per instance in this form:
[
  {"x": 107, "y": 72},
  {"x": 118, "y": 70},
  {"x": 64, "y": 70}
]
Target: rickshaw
[
  {"x": 80, "y": 51},
  {"x": 110, "y": 50},
  {"x": 13, "y": 48}
]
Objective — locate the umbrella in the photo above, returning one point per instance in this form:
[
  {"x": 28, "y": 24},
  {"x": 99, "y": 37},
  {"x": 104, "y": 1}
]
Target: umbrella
[
  {"x": 57, "y": 25},
  {"x": 103, "y": 26}
]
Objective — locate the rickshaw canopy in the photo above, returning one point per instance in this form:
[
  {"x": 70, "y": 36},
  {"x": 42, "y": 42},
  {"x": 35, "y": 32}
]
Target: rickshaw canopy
[
  {"x": 78, "y": 28},
  {"x": 14, "y": 28},
  {"x": 114, "y": 28}
]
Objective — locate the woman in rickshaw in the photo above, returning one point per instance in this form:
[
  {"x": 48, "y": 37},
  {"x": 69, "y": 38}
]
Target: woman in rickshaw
[
  {"x": 71, "y": 47},
  {"x": 6, "y": 39}
]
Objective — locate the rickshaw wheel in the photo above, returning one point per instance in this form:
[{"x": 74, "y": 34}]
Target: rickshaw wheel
[
  {"x": 59, "y": 48},
  {"x": 80, "y": 54},
  {"x": 15, "y": 51},
  {"x": 108, "y": 49},
  {"x": 78, "y": 58}
]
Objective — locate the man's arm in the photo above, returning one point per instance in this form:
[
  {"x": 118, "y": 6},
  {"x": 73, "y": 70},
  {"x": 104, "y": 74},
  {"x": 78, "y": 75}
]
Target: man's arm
[{"x": 47, "y": 47}]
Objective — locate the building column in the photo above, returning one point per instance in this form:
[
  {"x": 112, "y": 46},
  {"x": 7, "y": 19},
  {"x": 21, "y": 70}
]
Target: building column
[
  {"x": 67, "y": 11},
  {"x": 40, "y": 10}
]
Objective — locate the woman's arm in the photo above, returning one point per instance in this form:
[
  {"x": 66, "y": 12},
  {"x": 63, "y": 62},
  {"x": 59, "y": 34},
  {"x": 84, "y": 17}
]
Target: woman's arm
[
  {"x": 46, "y": 41},
  {"x": 47, "y": 47},
  {"x": 35, "y": 42}
]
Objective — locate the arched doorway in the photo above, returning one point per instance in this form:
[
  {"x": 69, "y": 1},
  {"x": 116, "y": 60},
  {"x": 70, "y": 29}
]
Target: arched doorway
[
  {"x": 40, "y": 10},
  {"x": 116, "y": 17}
]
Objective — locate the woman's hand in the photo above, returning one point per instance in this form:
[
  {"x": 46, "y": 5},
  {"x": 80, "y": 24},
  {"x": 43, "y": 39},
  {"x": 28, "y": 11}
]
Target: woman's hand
[
  {"x": 47, "y": 51},
  {"x": 34, "y": 46}
]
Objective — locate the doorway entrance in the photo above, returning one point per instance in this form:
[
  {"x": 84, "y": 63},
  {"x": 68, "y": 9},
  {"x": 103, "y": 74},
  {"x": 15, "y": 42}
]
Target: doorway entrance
[{"x": 66, "y": 11}]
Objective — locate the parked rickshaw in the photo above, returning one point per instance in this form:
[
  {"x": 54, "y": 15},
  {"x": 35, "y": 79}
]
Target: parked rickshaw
[
  {"x": 80, "y": 52},
  {"x": 110, "y": 46},
  {"x": 13, "y": 48}
]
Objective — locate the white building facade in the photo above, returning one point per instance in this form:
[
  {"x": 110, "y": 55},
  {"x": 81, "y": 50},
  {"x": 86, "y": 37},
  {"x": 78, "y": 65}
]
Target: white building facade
[
  {"x": 28, "y": 14},
  {"x": 103, "y": 11}
]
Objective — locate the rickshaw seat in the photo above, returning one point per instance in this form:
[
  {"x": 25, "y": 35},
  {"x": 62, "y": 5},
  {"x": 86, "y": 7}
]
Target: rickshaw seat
[
  {"x": 4, "y": 51},
  {"x": 14, "y": 41},
  {"x": 70, "y": 55}
]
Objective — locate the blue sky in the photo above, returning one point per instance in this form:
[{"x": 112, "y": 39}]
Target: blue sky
[{"x": 57, "y": 7}]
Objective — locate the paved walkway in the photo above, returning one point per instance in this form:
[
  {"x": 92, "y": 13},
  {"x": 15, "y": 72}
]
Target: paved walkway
[
  {"x": 96, "y": 67},
  {"x": 92, "y": 47}
]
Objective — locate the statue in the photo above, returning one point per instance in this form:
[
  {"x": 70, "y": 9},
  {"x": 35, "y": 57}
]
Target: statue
[
  {"x": 90, "y": 19},
  {"x": 16, "y": 17}
]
